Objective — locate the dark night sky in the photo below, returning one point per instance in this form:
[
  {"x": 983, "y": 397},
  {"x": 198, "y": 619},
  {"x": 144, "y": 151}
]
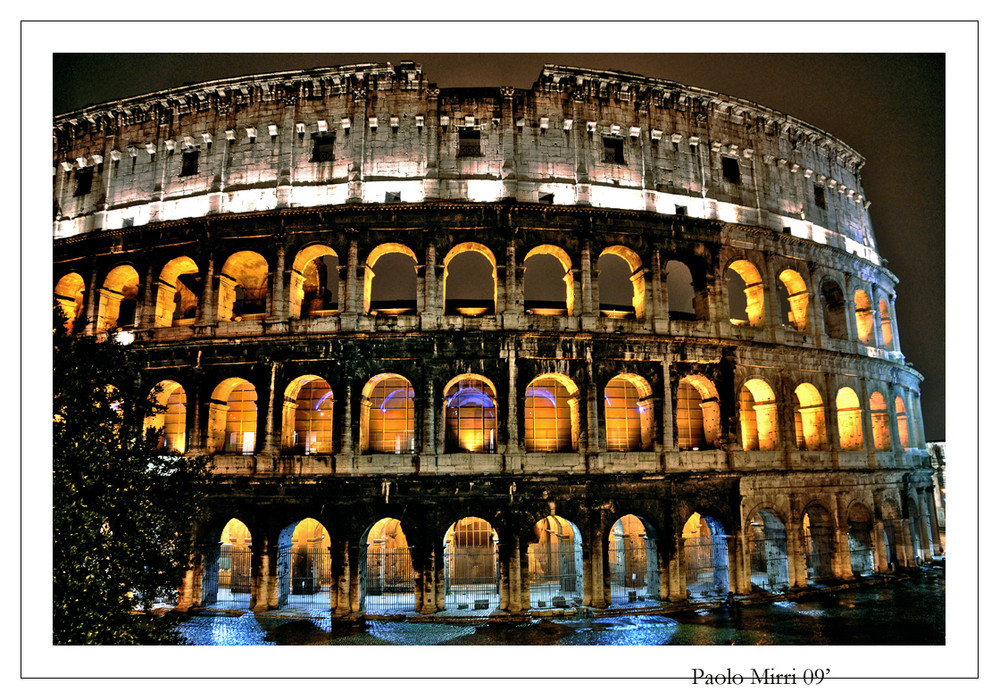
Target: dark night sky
[{"x": 888, "y": 107}]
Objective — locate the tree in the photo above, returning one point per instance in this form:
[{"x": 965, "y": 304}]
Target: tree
[{"x": 123, "y": 509}]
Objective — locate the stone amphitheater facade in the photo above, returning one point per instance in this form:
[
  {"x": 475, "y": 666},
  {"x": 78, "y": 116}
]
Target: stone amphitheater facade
[{"x": 611, "y": 342}]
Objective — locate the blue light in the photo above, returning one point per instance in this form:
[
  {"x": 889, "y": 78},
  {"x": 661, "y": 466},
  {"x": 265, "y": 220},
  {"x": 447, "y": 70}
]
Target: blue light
[
  {"x": 541, "y": 393},
  {"x": 470, "y": 397},
  {"x": 407, "y": 394},
  {"x": 323, "y": 398}
]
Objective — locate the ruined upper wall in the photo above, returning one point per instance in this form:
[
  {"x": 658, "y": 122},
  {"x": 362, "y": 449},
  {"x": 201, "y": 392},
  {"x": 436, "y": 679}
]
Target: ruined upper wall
[{"x": 383, "y": 133}]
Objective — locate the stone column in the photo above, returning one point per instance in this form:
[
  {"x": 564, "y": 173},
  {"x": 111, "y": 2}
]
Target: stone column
[
  {"x": 878, "y": 547},
  {"x": 428, "y": 408},
  {"x": 354, "y": 583},
  {"x": 278, "y": 304},
  {"x": 600, "y": 585},
  {"x": 259, "y": 566},
  {"x": 439, "y": 575},
  {"x": 430, "y": 314},
  {"x": 798, "y": 571},
  {"x": 588, "y": 294},
  {"x": 740, "y": 557},
  {"x": 676, "y": 573},
  {"x": 525, "y": 576},
  {"x": 346, "y": 437},
  {"x": 667, "y": 414},
  {"x": 842, "y": 546},
  {"x": 208, "y": 306},
  {"x": 270, "y": 445},
  {"x": 513, "y": 582},
  {"x": 935, "y": 539},
  {"x": 341, "y": 576},
  {"x": 659, "y": 308},
  {"x": 514, "y": 302},
  {"x": 513, "y": 445}
]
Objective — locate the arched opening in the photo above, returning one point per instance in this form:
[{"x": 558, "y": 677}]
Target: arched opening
[
  {"x": 680, "y": 292},
  {"x": 902, "y": 423},
  {"x": 628, "y": 414},
  {"x": 470, "y": 415},
  {"x": 698, "y": 415},
  {"x": 387, "y": 415},
  {"x": 914, "y": 523},
  {"x": 706, "y": 557},
  {"x": 387, "y": 578},
  {"x": 767, "y": 542},
  {"x": 304, "y": 575},
  {"x": 633, "y": 565},
  {"x": 177, "y": 294},
  {"x": 243, "y": 283},
  {"x": 471, "y": 567},
  {"x": 746, "y": 294},
  {"x": 314, "y": 282},
  {"x": 849, "y": 420},
  {"x": 555, "y": 564},
  {"x": 551, "y": 422},
  {"x": 119, "y": 298},
  {"x": 880, "y": 421},
  {"x": 795, "y": 301},
  {"x": 470, "y": 280},
  {"x": 69, "y": 297},
  {"x": 226, "y": 569},
  {"x": 307, "y": 416},
  {"x": 864, "y": 317},
  {"x": 232, "y": 418},
  {"x": 171, "y": 416},
  {"x": 859, "y": 539},
  {"x": 758, "y": 416},
  {"x": 391, "y": 281},
  {"x": 621, "y": 284},
  {"x": 885, "y": 320},
  {"x": 817, "y": 542},
  {"x": 834, "y": 311},
  {"x": 889, "y": 518},
  {"x": 548, "y": 282},
  {"x": 810, "y": 419}
]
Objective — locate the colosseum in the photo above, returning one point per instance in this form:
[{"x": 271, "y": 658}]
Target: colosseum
[{"x": 608, "y": 343}]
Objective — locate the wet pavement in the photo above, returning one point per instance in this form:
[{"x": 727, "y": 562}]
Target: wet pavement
[{"x": 903, "y": 612}]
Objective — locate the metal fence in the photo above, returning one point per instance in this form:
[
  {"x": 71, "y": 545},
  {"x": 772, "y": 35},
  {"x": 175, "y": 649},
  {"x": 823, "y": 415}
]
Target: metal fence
[
  {"x": 304, "y": 577},
  {"x": 555, "y": 574},
  {"x": 226, "y": 581},
  {"x": 818, "y": 545},
  {"x": 707, "y": 566},
  {"x": 633, "y": 569},
  {"x": 768, "y": 559},
  {"x": 472, "y": 578},
  {"x": 387, "y": 579}
]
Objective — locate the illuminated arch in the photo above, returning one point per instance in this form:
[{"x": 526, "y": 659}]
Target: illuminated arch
[
  {"x": 633, "y": 277},
  {"x": 232, "y": 417},
  {"x": 810, "y": 418},
  {"x": 376, "y": 296},
  {"x": 633, "y": 564},
  {"x": 176, "y": 301},
  {"x": 307, "y": 416},
  {"x": 818, "y": 539},
  {"x": 680, "y": 291},
  {"x": 314, "y": 281},
  {"x": 864, "y": 317},
  {"x": 902, "y": 423},
  {"x": 243, "y": 287},
  {"x": 304, "y": 572},
  {"x": 706, "y": 557},
  {"x": 885, "y": 317},
  {"x": 171, "y": 418},
  {"x": 750, "y": 310},
  {"x": 849, "y": 420},
  {"x": 535, "y": 276},
  {"x": 628, "y": 414},
  {"x": 69, "y": 297},
  {"x": 880, "y": 421},
  {"x": 226, "y": 570},
  {"x": 834, "y": 310},
  {"x": 551, "y": 414},
  {"x": 471, "y": 566},
  {"x": 767, "y": 542},
  {"x": 386, "y": 569},
  {"x": 470, "y": 407},
  {"x": 387, "y": 415},
  {"x": 795, "y": 303},
  {"x": 698, "y": 416},
  {"x": 859, "y": 540},
  {"x": 758, "y": 416},
  {"x": 119, "y": 298},
  {"x": 483, "y": 298},
  {"x": 555, "y": 564}
]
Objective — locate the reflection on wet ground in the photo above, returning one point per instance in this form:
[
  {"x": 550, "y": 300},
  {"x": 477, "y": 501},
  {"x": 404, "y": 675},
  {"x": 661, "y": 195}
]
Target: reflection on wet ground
[{"x": 904, "y": 612}]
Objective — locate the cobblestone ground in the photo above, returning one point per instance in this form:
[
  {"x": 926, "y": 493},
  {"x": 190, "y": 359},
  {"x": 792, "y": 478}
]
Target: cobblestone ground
[{"x": 904, "y": 612}]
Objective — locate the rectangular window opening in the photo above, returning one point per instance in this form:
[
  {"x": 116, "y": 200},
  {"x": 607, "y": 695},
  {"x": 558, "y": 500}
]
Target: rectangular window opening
[
  {"x": 468, "y": 142},
  {"x": 189, "y": 163},
  {"x": 819, "y": 196},
  {"x": 84, "y": 180},
  {"x": 322, "y": 148},
  {"x": 614, "y": 150},
  {"x": 731, "y": 170}
]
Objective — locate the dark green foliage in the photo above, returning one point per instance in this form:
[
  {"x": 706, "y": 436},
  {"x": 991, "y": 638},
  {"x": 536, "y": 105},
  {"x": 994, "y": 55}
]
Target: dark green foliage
[{"x": 122, "y": 509}]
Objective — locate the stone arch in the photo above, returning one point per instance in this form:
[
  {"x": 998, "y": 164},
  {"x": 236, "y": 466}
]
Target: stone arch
[
  {"x": 538, "y": 276},
  {"x": 885, "y": 321},
  {"x": 621, "y": 276},
  {"x": 307, "y": 416},
  {"x": 314, "y": 282},
  {"x": 243, "y": 287},
  {"x": 864, "y": 317},
  {"x": 387, "y": 415},
  {"x": 706, "y": 556},
  {"x": 232, "y": 417},
  {"x": 473, "y": 291},
  {"x": 810, "y": 418},
  {"x": 386, "y": 575},
  {"x": 226, "y": 568},
  {"x": 395, "y": 292},
  {"x": 170, "y": 416},
  {"x": 470, "y": 414},
  {"x": 551, "y": 414},
  {"x": 628, "y": 414},
  {"x": 767, "y": 542},
  {"x": 471, "y": 566},
  {"x": 119, "y": 299},
  {"x": 681, "y": 298},
  {"x": 555, "y": 564},
  {"x": 69, "y": 293},
  {"x": 834, "y": 309},
  {"x": 818, "y": 542},
  {"x": 177, "y": 292},
  {"x": 744, "y": 280},
  {"x": 880, "y": 421},
  {"x": 795, "y": 301},
  {"x": 849, "y": 420},
  {"x": 633, "y": 563},
  {"x": 304, "y": 572},
  {"x": 758, "y": 416},
  {"x": 698, "y": 416},
  {"x": 860, "y": 539},
  {"x": 902, "y": 424}
]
